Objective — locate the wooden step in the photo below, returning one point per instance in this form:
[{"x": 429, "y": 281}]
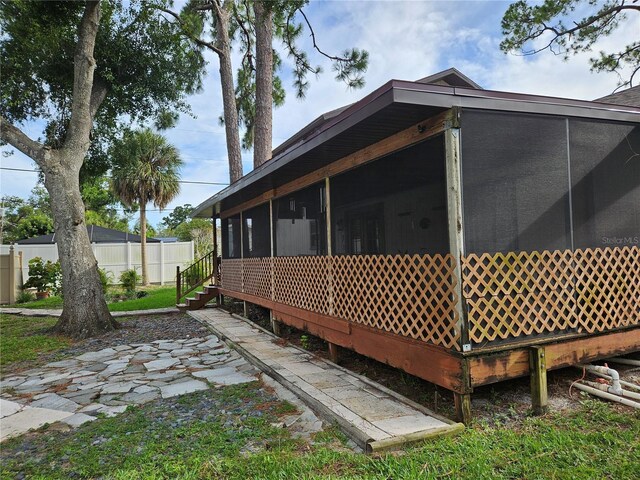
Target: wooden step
[{"x": 200, "y": 299}]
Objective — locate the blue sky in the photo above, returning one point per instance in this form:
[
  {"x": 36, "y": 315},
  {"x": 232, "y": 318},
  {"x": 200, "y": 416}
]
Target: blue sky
[{"x": 406, "y": 40}]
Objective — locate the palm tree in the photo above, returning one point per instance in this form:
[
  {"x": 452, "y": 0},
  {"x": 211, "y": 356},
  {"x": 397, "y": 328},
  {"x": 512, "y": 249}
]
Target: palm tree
[{"x": 146, "y": 169}]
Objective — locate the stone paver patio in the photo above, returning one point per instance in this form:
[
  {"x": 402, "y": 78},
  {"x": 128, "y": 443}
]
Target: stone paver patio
[{"x": 76, "y": 390}]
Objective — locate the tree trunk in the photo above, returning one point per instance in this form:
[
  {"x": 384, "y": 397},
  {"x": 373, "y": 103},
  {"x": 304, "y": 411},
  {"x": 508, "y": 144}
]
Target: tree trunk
[
  {"x": 85, "y": 311},
  {"x": 143, "y": 243},
  {"x": 262, "y": 142},
  {"x": 231, "y": 127}
]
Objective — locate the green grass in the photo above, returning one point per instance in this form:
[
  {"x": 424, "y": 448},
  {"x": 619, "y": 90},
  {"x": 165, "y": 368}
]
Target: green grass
[
  {"x": 158, "y": 297},
  {"x": 595, "y": 441},
  {"x": 24, "y": 338}
]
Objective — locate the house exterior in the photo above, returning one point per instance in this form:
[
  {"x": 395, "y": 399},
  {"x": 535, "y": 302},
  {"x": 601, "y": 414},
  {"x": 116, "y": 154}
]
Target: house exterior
[{"x": 447, "y": 230}]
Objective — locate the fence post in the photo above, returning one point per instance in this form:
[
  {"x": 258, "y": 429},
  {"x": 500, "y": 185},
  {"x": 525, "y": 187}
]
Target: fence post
[
  {"x": 128, "y": 255},
  {"x": 12, "y": 276},
  {"x": 178, "y": 285},
  {"x": 193, "y": 251},
  {"x": 161, "y": 263}
]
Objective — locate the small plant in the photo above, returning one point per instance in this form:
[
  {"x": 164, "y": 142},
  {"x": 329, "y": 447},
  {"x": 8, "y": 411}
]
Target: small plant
[
  {"x": 105, "y": 279},
  {"x": 305, "y": 341},
  {"x": 25, "y": 297},
  {"x": 129, "y": 279},
  {"x": 42, "y": 276}
]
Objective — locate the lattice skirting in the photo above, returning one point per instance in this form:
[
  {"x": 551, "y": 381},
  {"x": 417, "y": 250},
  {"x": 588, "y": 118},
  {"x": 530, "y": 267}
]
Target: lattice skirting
[
  {"x": 409, "y": 295},
  {"x": 515, "y": 295}
]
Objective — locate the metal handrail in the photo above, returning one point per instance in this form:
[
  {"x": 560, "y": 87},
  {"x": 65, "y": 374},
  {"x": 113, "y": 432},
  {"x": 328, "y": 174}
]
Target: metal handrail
[{"x": 195, "y": 275}]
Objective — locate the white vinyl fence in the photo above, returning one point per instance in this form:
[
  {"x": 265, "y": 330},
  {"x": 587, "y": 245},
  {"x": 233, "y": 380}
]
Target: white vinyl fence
[{"x": 162, "y": 258}]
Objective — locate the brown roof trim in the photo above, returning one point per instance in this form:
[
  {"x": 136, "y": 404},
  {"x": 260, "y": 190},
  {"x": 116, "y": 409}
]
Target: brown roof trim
[{"x": 399, "y": 91}]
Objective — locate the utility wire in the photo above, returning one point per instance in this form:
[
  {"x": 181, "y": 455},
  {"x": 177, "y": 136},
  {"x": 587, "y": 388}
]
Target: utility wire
[{"x": 179, "y": 181}]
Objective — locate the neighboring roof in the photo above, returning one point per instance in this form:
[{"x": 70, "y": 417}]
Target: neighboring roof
[
  {"x": 630, "y": 96},
  {"x": 96, "y": 235},
  {"x": 167, "y": 239},
  {"x": 391, "y": 108},
  {"x": 451, "y": 78}
]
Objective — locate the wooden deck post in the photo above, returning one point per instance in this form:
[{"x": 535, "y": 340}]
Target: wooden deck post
[
  {"x": 334, "y": 352},
  {"x": 453, "y": 169},
  {"x": 538, "y": 372},
  {"x": 462, "y": 403}
]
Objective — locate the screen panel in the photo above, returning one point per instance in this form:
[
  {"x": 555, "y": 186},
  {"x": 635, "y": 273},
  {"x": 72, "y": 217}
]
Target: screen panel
[
  {"x": 605, "y": 177},
  {"x": 394, "y": 205},
  {"x": 231, "y": 237},
  {"x": 515, "y": 182},
  {"x": 299, "y": 223},
  {"x": 256, "y": 232}
]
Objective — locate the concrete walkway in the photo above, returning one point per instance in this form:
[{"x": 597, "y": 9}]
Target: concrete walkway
[
  {"x": 56, "y": 312},
  {"x": 373, "y": 416}
]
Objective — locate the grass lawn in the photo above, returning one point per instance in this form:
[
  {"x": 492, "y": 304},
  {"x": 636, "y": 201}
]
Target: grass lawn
[
  {"x": 158, "y": 297},
  {"x": 595, "y": 441},
  {"x": 24, "y": 338}
]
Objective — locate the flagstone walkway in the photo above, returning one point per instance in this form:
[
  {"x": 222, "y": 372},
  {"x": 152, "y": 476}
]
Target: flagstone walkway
[
  {"x": 107, "y": 381},
  {"x": 372, "y": 415}
]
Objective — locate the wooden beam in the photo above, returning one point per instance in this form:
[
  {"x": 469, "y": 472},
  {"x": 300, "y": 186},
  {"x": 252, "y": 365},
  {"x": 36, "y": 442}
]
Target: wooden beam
[
  {"x": 416, "y": 133},
  {"x": 496, "y": 367},
  {"x": 538, "y": 374}
]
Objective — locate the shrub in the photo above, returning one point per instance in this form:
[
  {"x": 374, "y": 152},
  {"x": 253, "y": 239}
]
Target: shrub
[
  {"x": 129, "y": 279},
  {"x": 42, "y": 276}
]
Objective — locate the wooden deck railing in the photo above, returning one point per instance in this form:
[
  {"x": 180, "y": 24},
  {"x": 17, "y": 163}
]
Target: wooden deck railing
[
  {"x": 409, "y": 295},
  {"x": 508, "y": 298},
  {"x": 194, "y": 276}
]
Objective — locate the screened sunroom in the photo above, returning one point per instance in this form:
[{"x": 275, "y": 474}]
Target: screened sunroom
[{"x": 444, "y": 229}]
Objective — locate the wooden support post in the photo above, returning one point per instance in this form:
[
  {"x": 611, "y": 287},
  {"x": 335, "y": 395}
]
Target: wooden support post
[
  {"x": 462, "y": 403},
  {"x": 334, "y": 352},
  {"x": 538, "y": 371},
  {"x": 276, "y": 326}
]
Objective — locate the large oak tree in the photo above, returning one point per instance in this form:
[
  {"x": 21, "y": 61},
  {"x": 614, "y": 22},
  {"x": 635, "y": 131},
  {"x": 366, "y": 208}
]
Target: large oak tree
[{"x": 84, "y": 68}]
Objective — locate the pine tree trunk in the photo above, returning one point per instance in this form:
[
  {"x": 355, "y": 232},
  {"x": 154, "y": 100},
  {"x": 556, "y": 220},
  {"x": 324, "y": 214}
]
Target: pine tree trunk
[
  {"x": 143, "y": 243},
  {"x": 228, "y": 92},
  {"x": 85, "y": 311},
  {"x": 262, "y": 142}
]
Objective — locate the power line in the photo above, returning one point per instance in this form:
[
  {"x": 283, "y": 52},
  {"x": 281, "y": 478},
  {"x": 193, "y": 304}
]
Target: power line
[{"x": 179, "y": 181}]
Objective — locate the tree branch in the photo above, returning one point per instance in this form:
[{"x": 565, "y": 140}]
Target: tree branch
[
  {"x": 182, "y": 25},
  {"x": 14, "y": 136},
  {"x": 315, "y": 45}
]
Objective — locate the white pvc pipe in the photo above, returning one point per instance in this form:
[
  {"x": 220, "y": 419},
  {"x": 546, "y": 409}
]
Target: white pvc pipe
[
  {"x": 615, "y": 387},
  {"x": 605, "y": 388},
  {"x": 608, "y": 396},
  {"x": 624, "y": 383},
  {"x": 625, "y": 361}
]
